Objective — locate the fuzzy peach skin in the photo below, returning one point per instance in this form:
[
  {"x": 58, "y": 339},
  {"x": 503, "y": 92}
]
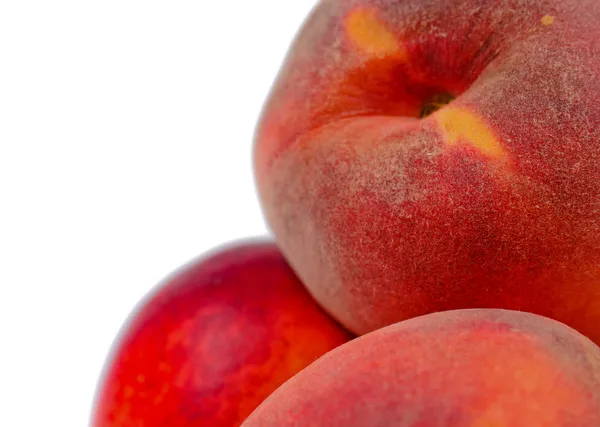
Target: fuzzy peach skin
[
  {"x": 391, "y": 202},
  {"x": 212, "y": 342},
  {"x": 463, "y": 368}
]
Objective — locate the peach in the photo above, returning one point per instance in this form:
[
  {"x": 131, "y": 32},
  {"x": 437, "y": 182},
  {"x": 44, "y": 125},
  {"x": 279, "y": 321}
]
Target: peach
[
  {"x": 416, "y": 157},
  {"x": 463, "y": 368},
  {"x": 212, "y": 342}
]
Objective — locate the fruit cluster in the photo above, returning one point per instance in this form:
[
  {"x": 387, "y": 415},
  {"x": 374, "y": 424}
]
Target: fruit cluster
[{"x": 430, "y": 170}]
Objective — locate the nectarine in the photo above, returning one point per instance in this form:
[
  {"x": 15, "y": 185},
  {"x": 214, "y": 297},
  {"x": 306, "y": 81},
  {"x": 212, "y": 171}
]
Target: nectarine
[
  {"x": 420, "y": 156},
  {"x": 464, "y": 368},
  {"x": 212, "y": 342}
]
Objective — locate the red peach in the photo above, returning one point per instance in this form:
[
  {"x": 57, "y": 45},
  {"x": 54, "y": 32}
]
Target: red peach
[
  {"x": 424, "y": 156},
  {"x": 464, "y": 368},
  {"x": 212, "y": 342}
]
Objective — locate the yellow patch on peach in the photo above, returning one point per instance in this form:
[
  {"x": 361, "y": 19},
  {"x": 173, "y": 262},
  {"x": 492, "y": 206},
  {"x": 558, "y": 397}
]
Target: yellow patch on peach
[
  {"x": 371, "y": 36},
  {"x": 547, "y": 20},
  {"x": 461, "y": 125}
]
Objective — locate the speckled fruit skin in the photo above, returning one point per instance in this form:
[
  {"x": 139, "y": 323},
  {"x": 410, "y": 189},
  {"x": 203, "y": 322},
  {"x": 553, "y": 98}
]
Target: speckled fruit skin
[
  {"x": 492, "y": 201},
  {"x": 212, "y": 342},
  {"x": 463, "y": 368}
]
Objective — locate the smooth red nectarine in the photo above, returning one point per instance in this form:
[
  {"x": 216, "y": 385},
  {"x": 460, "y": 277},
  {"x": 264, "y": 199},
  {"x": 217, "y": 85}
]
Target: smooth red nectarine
[{"x": 212, "y": 342}]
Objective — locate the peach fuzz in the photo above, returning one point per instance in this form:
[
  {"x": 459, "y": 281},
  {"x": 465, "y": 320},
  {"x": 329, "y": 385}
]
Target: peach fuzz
[
  {"x": 416, "y": 157},
  {"x": 463, "y": 368},
  {"x": 211, "y": 342}
]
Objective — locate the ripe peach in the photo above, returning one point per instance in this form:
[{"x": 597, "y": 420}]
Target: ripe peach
[
  {"x": 463, "y": 368},
  {"x": 212, "y": 342},
  {"x": 424, "y": 156}
]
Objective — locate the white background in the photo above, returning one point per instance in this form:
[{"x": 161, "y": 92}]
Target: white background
[{"x": 125, "y": 150}]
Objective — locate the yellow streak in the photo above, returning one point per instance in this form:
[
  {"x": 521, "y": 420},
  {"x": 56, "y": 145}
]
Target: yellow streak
[
  {"x": 371, "y": 36},
  {"x": 547, "y": 20},
  {"x": 460, "y": 125}
]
